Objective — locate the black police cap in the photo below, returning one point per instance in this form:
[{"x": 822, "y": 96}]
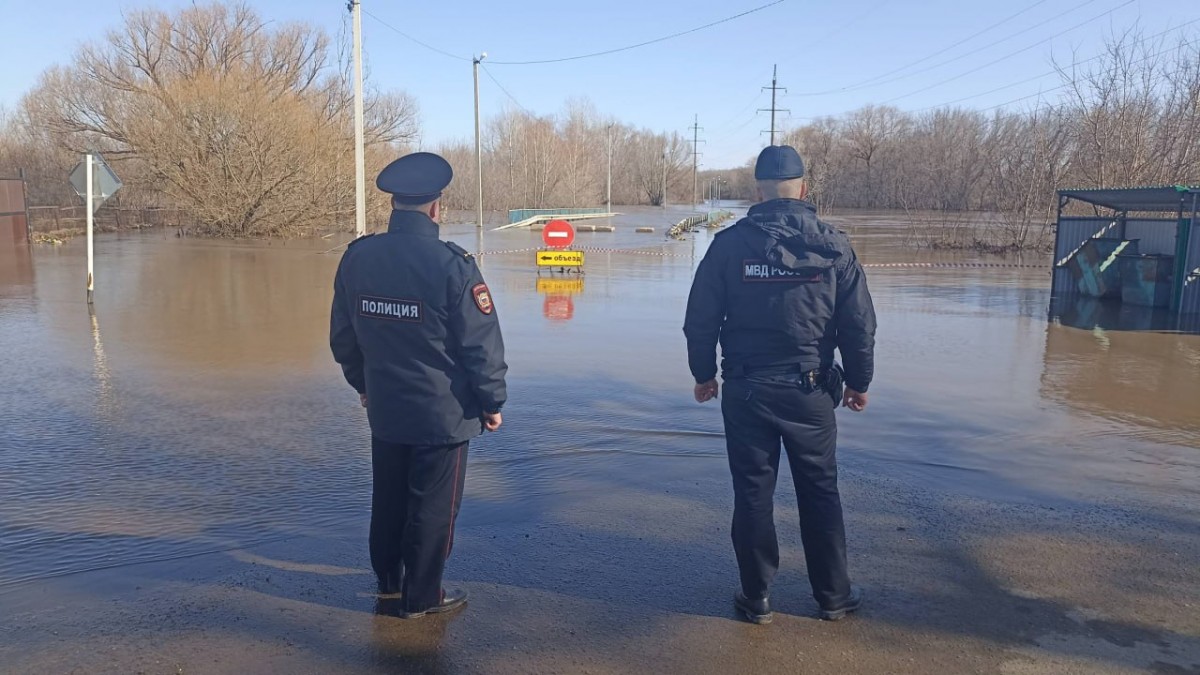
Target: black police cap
[
  {"x": 778, "y": 162},
  {"x": 418, "y": 178}
]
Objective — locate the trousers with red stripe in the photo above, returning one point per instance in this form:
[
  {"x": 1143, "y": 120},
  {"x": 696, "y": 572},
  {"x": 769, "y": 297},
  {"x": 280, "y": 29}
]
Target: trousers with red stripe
[{"x": 415, "y": 498}]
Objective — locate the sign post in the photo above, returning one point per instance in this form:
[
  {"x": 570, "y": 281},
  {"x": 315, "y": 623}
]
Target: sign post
[
  {"x": 95, "y": 182},
  {"x": 91, "y": 220}
]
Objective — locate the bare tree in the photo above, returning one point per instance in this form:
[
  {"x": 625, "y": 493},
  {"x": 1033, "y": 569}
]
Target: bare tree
[{"x": 244, "y": 125}]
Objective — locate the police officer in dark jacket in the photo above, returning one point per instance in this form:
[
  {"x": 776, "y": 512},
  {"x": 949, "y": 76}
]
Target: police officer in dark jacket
[
  {"x": 416, "y": 333},
  {"x": 780, "y": 291}
]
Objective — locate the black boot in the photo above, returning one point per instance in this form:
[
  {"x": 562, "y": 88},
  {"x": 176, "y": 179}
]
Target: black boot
[
  {"x": 839, "y": 611},
  {"x": 451, "y": 600},
  {"x": 755, "y": 611}
]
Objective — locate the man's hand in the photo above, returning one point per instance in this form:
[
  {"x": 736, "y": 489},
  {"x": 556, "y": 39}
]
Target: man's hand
[
  {"x": 362, "y": 398},
  {"x": 492, "y": 421},
  {"x": 854, "y": 400},
  {"x": 707, "y": 391}
]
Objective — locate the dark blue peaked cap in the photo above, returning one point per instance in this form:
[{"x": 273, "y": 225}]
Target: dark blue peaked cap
[
  {"x": 418, "y": 178},
  {"x": 778, "y": 162}
]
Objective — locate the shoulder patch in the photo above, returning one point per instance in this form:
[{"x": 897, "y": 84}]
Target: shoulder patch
[
  {"x": 458, "y": 250},
  {"x": 483, "y": 298}
]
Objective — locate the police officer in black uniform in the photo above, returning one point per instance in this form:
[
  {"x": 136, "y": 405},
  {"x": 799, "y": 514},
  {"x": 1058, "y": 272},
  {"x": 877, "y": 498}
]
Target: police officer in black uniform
[
  {"x": 416, "y": 333},
  {"x": 780, "y": 290}
]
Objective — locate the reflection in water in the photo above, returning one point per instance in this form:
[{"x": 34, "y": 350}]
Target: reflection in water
[
  {"x": 1140, "y": 378},
  {"x": 1088, "y": 313},
  {"x": 16, "y": 267},
  {"x": 105, "y": 403},
  {"x": 208, "y": 415},
  {"x": 211, "y": 305},
  {"x": 400, "y": 646},
  {"x": 559, "y": 293}
]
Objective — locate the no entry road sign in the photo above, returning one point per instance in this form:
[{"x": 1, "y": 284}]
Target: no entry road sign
[{"x": 558, "y": 234}]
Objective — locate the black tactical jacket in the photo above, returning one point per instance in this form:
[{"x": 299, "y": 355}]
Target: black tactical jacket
[
  {"x": 414, "y": 328},
  {"x": 781, "y": 288}
]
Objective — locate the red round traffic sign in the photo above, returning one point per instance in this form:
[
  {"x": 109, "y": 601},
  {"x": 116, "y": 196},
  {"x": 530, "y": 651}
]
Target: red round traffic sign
[{"x": 558, "y": 234}]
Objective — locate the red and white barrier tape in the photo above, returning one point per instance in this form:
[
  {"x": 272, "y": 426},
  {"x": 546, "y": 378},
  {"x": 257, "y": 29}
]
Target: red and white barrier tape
[{"x": 900, "y": 265}]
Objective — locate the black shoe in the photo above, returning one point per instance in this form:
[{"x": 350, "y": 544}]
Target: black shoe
[
  {"x": 850, "y": 605},
  {"x": 451, "y": 600},
  {"x": 755, "y": 611}
]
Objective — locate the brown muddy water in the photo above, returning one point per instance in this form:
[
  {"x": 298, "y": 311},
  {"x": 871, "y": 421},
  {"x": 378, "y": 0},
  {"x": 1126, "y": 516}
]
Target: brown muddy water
[{"x": 197, "y": 412}]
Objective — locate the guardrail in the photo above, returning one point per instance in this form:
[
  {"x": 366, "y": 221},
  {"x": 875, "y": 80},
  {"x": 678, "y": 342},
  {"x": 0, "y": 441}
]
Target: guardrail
[
  {"x": 518, "y": 215},
  {"x": 710, "y": 219}
]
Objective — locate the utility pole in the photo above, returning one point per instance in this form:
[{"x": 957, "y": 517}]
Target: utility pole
[
  {"x": 478, "y": 148},
  {"x": 608, "y": 199},
  {"x": 696, "y": 159},
  {"x": 664, "y": 183},
  {"x": 360, "y": 162},
  {"x": 774, "y": 88}
]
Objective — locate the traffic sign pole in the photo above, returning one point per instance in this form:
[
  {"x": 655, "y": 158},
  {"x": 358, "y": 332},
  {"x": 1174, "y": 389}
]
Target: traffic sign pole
[
  {"x": 95, "y": 182},
  {"x": 90, "y": 223}
]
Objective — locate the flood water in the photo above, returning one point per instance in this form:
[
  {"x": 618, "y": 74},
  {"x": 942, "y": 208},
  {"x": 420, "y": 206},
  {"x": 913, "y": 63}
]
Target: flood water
[{"x": 198, "y": 409}]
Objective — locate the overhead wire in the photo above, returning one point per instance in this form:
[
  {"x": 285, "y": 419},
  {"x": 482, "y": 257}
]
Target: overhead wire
[
  {"x": 825, "y": 37},
  {"x": 1010, "y": 54},
  {"x": 641, "y": 44},
  {"x": 413, "y": 39},
  {"x": 1068, "y": 84},
  {"x": 1055, "y": 71},
  {"x": 738, "y": 115},
  {"x": 503, "y": 89},
  {"x": 963, "y": 41}
]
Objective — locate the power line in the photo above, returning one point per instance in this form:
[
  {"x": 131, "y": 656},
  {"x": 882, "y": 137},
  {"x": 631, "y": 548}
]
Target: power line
[
  {"x": 1055, "y": 71},
  {"x": 1011, "y": 54},
  {"x": 1068, "y": 84},
  {"x": 879, "y": 80},
  {"x": 506, "y": 92},
  {"x": 826, "y": 36},
  {"x": 413, "y": 39},
  {"x": 967, "y": 39},
  {"x": 641, "y": 44},
  {"x": 738, "y": 115}
]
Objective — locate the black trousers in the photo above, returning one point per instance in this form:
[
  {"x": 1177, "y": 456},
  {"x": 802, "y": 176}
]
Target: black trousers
[
  {"x": 760, "y": 412},
  {"x": 415, "y": 496}
]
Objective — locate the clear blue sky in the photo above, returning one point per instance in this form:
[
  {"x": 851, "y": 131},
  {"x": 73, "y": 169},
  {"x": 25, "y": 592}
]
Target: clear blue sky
[{"x": 821, "y": 47}]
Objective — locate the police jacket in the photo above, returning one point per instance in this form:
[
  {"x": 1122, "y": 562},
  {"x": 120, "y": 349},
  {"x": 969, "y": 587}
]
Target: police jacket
[
  {"x": 414, "y": 328},
  {"x": 781, "y": 288}
]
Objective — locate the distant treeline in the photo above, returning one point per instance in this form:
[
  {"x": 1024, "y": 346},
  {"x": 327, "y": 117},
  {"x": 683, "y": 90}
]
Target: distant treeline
[
  {"x": 546, "y": 161},
  {"x": 244, "y": 127},
  {"x": 1128, "y": 117}
]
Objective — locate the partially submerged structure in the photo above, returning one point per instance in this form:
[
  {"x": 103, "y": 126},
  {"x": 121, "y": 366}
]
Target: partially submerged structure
[{"x": 1140, "y": 246}]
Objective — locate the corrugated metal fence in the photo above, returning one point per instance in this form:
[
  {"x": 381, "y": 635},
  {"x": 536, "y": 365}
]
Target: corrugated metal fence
[
  {"x": 14, "y": 216},
  {"x": 1154, "y": 236},
  {"x": 1073, "y": 233},
  {"x": 1189, "y": 300}
]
